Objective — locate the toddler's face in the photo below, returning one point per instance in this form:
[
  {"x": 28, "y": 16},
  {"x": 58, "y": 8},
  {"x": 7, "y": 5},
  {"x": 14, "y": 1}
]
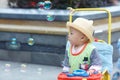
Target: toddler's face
[{"x": 76, "y": 37}]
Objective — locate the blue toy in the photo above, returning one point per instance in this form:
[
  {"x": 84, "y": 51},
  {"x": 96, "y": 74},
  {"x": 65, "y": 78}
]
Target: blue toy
[{"x": 79, "y": 72}]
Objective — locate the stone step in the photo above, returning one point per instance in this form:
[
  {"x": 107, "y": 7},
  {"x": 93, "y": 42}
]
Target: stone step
[
  {"x": 50, "y": 28},
  {"x": 115, "y": 26}
]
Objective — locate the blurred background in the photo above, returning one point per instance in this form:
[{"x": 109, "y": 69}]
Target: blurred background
[
  {"x": 33, "y": 35},
  {"x": 57, "y": 4}
]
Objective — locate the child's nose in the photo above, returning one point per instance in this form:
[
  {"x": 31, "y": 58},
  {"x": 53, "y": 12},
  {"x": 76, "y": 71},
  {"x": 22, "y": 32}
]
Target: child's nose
[{"x": 68, "y": 36}]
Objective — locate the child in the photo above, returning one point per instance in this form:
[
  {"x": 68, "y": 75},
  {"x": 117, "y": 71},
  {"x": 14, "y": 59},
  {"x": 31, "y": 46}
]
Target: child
[{"x": 81, "y": 54}]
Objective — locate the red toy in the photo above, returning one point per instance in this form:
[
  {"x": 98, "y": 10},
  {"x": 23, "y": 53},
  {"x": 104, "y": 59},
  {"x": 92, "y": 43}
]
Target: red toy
[{"x": 63, "y": 76}]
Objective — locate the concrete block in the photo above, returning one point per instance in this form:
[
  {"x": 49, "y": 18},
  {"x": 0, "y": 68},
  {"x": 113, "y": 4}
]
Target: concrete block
[
  {"x": 46, "y": 58},
  {"x": 19, "y": 56},
  {"x": 4, "y": 54}
]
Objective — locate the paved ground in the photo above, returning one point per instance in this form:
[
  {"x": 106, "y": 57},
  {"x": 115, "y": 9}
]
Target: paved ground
[{"x": 25, "y": 71}]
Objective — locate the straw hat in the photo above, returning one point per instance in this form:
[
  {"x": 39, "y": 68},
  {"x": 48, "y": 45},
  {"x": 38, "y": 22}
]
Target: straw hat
[{"x": 83, "y": 25}]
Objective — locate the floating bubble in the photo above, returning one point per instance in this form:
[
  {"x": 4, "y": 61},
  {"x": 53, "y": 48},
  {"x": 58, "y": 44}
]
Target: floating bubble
[
  {"x": 47, "y": 5},
  {"x": 7, "y": 67},
  {"x": 50, "y": 17},
  {"x": 13, "y": 44},
  {"x": 39, "y": 71},
  {"x": 41, "y": 5},
  {"x": 23, "y": 68},
  {"x": 31, "y": 41},
  {"x": 13, "y": 41}
]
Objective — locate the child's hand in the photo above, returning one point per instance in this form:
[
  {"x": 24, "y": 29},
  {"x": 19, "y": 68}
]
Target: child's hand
[
  {"x": 91, "y": 71},
  {"x": 65, "y": 69}
]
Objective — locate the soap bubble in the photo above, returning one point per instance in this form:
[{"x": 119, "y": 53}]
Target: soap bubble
[
  {"x": 47, "y": 5},
  {"x": 50, "y": 17},
  {"x": 31, "y": 41},
  {"x": 7, "y": 67},
  {"x": 13, "y": 44},
  {"x": 13, "y": 41},
  {"x": 39, "y": 71},
  {"x": 23, "y": 68},
  {"x": 41, "y": 5}
]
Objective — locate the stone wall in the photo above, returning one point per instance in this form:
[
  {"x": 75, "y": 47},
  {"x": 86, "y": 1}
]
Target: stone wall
[{"x": 3, "y": 3}]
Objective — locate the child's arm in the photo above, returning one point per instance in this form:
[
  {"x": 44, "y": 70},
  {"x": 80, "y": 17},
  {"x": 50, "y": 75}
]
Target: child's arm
[
  {"x": 96, "y": 63},
  {"x": 65, "y": 63}
]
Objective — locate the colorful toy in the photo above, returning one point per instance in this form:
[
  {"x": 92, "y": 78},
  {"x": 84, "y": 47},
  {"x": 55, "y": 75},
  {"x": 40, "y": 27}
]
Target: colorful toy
[
  {"x": 79, "y": 72},
  {"x": 79, "y": 76}
]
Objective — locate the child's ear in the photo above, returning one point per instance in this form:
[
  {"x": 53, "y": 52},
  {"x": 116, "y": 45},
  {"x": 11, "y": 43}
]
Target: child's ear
[{"x": 82, "y": 38}]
